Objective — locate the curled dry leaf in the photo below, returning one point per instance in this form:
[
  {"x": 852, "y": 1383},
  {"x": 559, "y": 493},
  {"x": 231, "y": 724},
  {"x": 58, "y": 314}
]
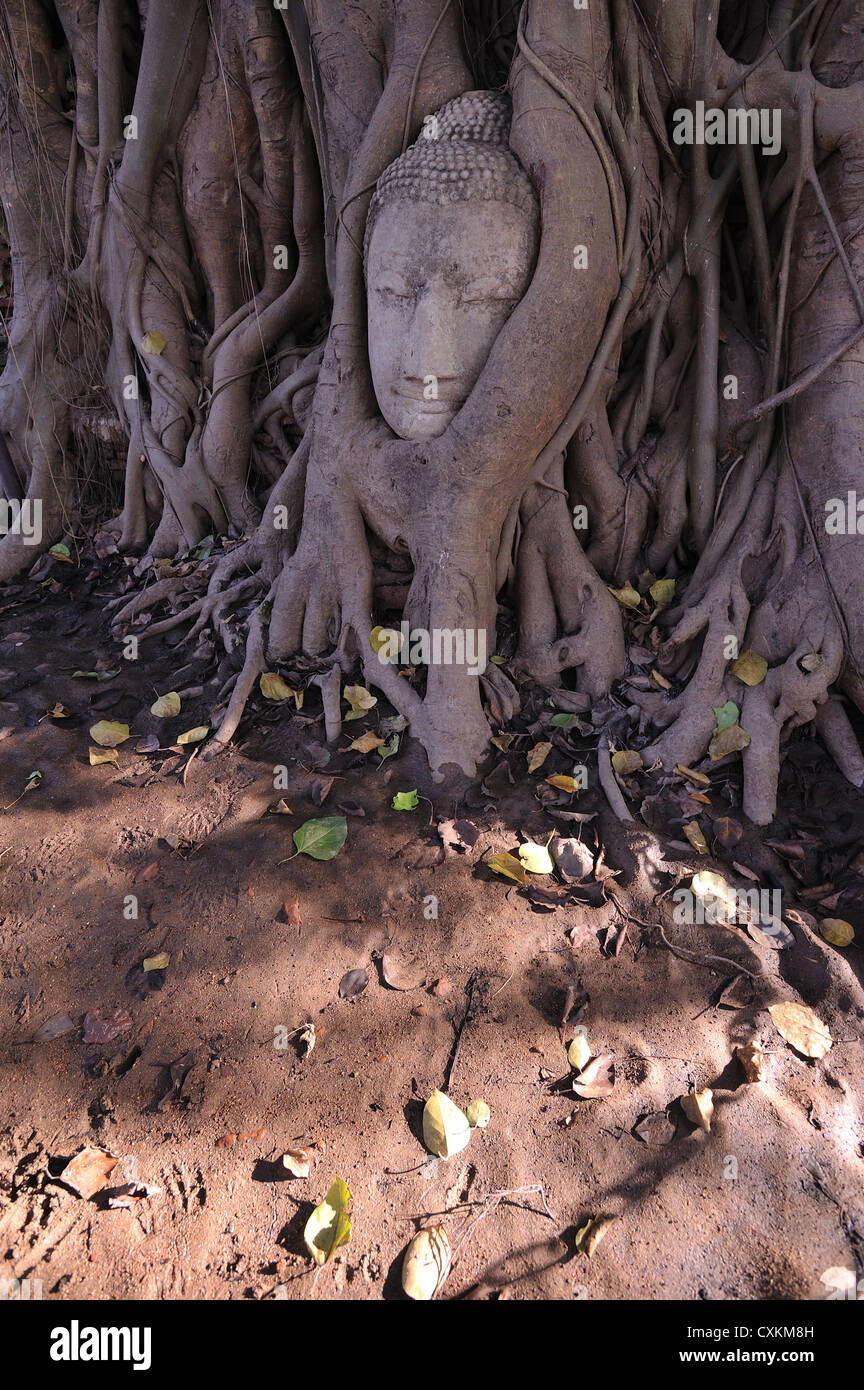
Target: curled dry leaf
[
  {"x": 399, "y": 974},
  {"x": 574, "y": 859},
  {"x": 298, "y": 1162},
  {"x": 693, "y": 831},
  {"x": 329, "y": 1226},
  {"x": 88, "y": 1171},
  {"x": 752, "y": 1060},
  {"x": 698, "y": 1106},
  {"x": 102, "y": 755},
  {"x": 579, "y": 1052},
  {"x": 729, "y": 740},
  {"x": 589, "y": 1236},
  {"x": 699, "y": 779},
  {"x": 536, "y": 858},
  {"x": 801, "y": 1028},
  {"x": 727, "y": 831},
  {"x": 718, "y": 896},
  {"x": 508, "y": 865},
  {"x": 446, "y": 1130},
  {"x": 478, "y": 1114},
  {"x": 426, "y": 1263},
  {"x": 627, "y": 760},
  {"x": 597, "y": 1078}
]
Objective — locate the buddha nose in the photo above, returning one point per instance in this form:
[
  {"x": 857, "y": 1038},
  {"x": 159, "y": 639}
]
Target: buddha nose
[{"x": 434, "y": 340}]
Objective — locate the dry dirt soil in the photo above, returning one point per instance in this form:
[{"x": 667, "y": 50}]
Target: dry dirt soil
[{"x": 758, "y": 1208}]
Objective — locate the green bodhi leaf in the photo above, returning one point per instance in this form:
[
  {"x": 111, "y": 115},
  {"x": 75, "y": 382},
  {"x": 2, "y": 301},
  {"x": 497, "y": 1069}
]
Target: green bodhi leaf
[
  {"x": 322, "y": 838},
  {"x": 405, "y": 801}
]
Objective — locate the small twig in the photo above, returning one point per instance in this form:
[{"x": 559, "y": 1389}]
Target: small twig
[
  {"x": 704, "y": 958},
  {"x": 469, "y": 989}
]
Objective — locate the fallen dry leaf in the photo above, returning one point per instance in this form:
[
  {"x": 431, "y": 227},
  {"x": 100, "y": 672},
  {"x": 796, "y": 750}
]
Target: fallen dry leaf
[
  {"x": 400, "y": 974},
  {"x": 87, "y": 1173},
  {"x": 752, "y": 1060},
  {"x": 597, "y": 1078},
  {"x": 698, "y": 1106},
  {"x": 801, "y": 1028}
]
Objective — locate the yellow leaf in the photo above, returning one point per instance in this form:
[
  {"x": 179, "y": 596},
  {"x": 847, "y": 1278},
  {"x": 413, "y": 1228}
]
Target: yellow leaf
[
  {"x": 662, "y": 590},
  {"x": 166, "y": 706},
  {"x": 367, "y": 742},
  {"x": 59, "y": 712},
  {"x": 589, "y": 1236},
  {"x": 107, "y": 733},
  {"x": 194, "y": 735},
  {"x": 719, "y": 896},
  {"x": 446, "y": 1130},
  {"x": 729, "y": 740},
  {"x": 508, "y": 865},
  {"x": 627, "y": 761},
  {"x": 102, "y": 755},
  {"x": 699, "y": 1107},
  {"x": 698, "y": 779},
  {"x": 693, "y": 831},
  {"x": 158, "y": 962},
  {"x": 538, "y": 755},
  {"x": 563, "y": 783},
  {"x": 478, "y": 1114},
  {"x": 750, "y": 667},
  {"x": 386, "y": 642},
  {"x": 579, "y": 1052},
  {"x": 502, "y": 741},
  {"x": 329, "y": 1226},
  {"x": 536, "y": 858},
  {"x": 838, "y": 932},
  {"x": 801, "y": 1028},
  {"x": 273, "y": 687},
  {"x": 153, "y": 342},
  {"x": 628, "y": 597},
  {"x": 360, "y": 699}
]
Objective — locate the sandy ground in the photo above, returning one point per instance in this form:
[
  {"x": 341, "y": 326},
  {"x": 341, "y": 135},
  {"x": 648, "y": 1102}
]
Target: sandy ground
[{"x": 757, "y": 1208}]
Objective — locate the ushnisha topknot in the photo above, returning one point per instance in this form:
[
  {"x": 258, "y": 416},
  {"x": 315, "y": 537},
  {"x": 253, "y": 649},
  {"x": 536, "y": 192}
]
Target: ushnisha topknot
[{"x": 461, "y": 155}]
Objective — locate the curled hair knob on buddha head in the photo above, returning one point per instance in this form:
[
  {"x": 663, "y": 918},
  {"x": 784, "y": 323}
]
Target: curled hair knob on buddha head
[{"x": 461, "y": 154}]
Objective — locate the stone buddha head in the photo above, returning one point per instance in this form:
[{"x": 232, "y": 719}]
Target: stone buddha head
[{"x": 451, "y": 242}]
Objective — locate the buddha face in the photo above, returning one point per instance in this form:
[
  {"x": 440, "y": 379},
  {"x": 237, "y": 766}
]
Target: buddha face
[{"x": 441, "y": 282}]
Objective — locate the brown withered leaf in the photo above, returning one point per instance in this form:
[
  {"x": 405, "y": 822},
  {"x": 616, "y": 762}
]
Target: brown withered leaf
[
  {"x": 752, "y": 1061},
  {"x": 102, "y": 1025},
  {"x": 400, "y": 974},
  {"x": 458, "y": 834},
  {"x": 87, "y": 1173},
  {"x": 597, "y": 1079}
]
